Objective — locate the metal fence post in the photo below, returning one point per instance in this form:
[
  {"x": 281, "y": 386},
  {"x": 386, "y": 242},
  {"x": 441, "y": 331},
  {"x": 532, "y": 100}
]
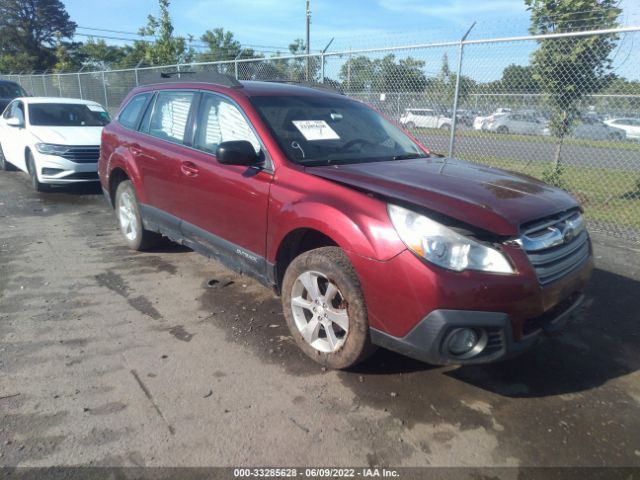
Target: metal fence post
[
  {"x": 80, "y": 82},
  {"x": 80, "y": 86},
  {"x": 44, "y": 83},
  {"x": 452, "y": 137},
  {"x": 104, "y": 88},
  {"x": 322, "y": 59},
  {"x": 135, "y": 69}
]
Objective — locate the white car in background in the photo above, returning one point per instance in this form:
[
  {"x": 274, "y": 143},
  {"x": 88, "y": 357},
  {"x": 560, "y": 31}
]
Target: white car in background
[
  {"x": 595, "y": 129},
  {"x": 630, "y": 125},
  {"x": 480, "y": 122},
  {"x": 514, "y": 122},
  {"x": 424, "y": 118},
  {"x": 55, "y": 140}
]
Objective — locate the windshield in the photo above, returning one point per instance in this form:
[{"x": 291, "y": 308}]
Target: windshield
[
  {"x": 326, "y": 130},
  {"x": 67, "y": 115},
  {"x": 8, "y": 90}
]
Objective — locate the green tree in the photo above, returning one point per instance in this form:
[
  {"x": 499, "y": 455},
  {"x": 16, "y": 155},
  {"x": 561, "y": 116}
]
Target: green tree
[
  {"x": 361, "y": 74},
  {"x": 222, "y": 45},
  {"x": 356, "y": 74},
  {"x": 100, "y": 56},
  {"x": 569, "y": 68},
  {"x": 518, "y": 79},
  {"x": 28, "y": 33},
  {"x": 167, "y": 49}
]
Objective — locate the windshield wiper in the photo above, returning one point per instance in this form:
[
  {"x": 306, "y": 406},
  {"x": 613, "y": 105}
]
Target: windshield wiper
[{"x": 409, "y": 156}]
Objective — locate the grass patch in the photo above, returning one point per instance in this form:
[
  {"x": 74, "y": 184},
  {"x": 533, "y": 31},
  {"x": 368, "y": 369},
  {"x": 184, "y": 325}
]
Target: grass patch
[{"x": 607, "y": 196}]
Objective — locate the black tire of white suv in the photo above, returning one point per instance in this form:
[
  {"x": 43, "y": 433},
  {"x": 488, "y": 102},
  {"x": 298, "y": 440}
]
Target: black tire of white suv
[
  {"x": 4, "y": 164},
  {"x": 31, "y": 168}
]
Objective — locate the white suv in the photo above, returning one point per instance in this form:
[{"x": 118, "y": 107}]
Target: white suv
[
  {"x": 424, "y": 118},
  {"x": 55, "y": 140}
]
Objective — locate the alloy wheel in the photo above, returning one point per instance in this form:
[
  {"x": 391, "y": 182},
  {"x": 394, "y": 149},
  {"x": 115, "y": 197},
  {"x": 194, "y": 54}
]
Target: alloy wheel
[{"x": 319, "y": 311}]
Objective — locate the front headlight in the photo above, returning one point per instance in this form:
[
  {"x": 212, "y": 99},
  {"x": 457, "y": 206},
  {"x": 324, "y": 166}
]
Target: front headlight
[
  {"x": 51, "y": 149},
  {"x": 444, "y": 247}
]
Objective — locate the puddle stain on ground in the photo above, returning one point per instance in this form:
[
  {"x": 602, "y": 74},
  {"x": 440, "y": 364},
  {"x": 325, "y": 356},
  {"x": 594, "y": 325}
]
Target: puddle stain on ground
[
  {"x": 117, "y": 284},
  {"x": 180, "y": 333}
]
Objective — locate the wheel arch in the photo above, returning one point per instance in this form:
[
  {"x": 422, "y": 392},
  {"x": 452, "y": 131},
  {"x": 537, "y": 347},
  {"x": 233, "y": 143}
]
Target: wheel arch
[
  {"x": 295, "y": 243},
  {"x": 312, "y": 225},
  {"x": 120, "y": 167}
]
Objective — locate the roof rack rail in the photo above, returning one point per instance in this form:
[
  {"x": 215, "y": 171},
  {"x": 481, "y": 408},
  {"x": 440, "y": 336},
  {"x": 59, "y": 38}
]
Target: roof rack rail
[
  {"x": 199, "y": 77},
  {"x": 304, "y": 83}
]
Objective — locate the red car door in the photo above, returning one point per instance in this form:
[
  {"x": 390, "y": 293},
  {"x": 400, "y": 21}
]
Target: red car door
[
  {"x": 225, "y": 206},
  {"x": 159, "y": 152}
]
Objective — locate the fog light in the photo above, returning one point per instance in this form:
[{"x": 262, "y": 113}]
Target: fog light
[
  {"x": 462, "y": 341},
  {"x": 51, "y": 171}
]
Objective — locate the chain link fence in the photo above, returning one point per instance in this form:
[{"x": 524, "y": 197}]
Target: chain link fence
[{"x": 564, "y": 108}]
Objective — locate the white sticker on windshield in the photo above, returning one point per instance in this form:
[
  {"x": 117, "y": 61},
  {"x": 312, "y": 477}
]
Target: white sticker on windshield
[
  {"x": 316, "y": 130},
  {"x": 95, "y": 108}
]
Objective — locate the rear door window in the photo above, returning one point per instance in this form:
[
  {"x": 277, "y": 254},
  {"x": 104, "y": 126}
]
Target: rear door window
[
  {"x": 170, "y": 115},
  {"x": 131, "y": 114}
]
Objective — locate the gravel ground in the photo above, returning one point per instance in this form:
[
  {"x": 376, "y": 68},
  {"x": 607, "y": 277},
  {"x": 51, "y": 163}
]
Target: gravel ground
[{"x": 164, "y": 358}]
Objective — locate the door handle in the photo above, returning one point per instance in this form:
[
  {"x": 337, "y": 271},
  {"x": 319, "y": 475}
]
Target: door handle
[
  {"x": 135, "y": 150},
  {"x": 189, "y": 169}
]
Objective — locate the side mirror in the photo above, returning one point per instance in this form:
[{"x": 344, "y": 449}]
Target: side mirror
[
  {"x": 237, "y": 152},
  {"x": 15, "y": 122}
]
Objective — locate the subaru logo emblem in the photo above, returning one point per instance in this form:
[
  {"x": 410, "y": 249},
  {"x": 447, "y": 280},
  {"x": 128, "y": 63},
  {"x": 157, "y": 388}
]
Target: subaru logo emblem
[{"x": 568, "y": 234}]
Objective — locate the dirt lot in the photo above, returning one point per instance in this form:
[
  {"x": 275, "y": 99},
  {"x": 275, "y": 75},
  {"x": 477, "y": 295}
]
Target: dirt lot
[{"x": 112, "y": 357}]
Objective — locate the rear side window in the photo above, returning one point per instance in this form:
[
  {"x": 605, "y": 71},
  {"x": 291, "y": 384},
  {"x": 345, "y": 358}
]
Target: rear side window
[
  {"x": 131, "y": 113},
  {"x": 170, "y": 115}
]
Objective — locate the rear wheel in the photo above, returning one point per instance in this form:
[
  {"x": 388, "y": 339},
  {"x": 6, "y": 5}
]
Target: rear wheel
[
  {"x": 445, "y": 126},
  {"x": 410, "y": 125},
  {"x": 4, "y": 164},
  {"x": 130, "y": 220},
  {"x": 33, "y": 173},
  {"x": 325, "y": 309}
]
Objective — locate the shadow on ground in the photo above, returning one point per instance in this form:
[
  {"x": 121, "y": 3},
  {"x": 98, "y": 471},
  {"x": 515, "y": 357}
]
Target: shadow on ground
[{"x": 600, "y": 345}]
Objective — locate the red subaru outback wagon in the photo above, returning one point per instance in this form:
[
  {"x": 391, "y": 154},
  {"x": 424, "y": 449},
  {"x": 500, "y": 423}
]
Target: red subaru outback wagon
[{"x": 369, "y": 239}]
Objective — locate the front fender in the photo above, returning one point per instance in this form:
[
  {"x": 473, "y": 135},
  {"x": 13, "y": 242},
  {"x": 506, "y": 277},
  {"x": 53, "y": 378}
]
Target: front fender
[{"x": 356, "y": 222}]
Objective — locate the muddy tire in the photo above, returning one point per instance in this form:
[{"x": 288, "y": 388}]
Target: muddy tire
[
  {"x": 130, "y": 220},
  {"x": 325, "y": 309}
]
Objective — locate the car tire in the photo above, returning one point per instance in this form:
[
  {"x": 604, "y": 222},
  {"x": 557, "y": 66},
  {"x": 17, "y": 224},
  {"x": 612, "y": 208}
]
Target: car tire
[
  {"x": 130, "y": 220},
  {"x": 4, "y": 164},
  {"x": 410, "y": 125},
  {"x": 445, "y": 126},
  {"x": 615, "y": 136},
  {"x": 332, "y": 330},
  {"x": 502, "y": 129},
  {"x": 31, "y": 168}
]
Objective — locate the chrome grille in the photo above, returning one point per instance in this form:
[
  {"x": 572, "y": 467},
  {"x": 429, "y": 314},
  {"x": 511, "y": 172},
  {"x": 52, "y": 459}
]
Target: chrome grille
[
  {"x": 82, "y": 154},
  {"x": 556, "y": 246}
]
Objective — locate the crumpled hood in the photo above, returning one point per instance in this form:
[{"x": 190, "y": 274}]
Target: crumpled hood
[
  {"x": 68, "y": 135},
  {"x": 488, "y": 198}
]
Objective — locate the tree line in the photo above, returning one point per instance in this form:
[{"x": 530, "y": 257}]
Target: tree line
[{"x": 37, "y": 36}]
